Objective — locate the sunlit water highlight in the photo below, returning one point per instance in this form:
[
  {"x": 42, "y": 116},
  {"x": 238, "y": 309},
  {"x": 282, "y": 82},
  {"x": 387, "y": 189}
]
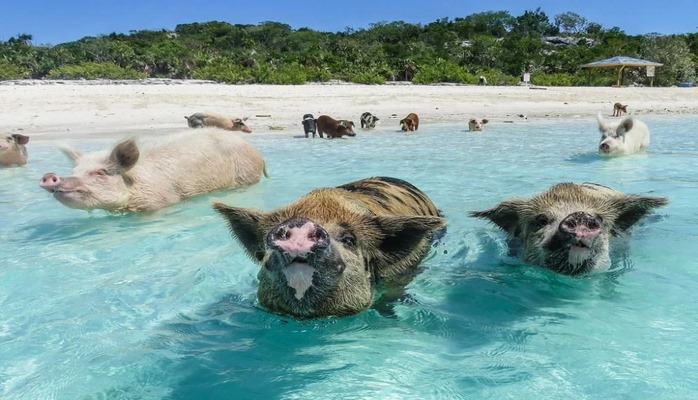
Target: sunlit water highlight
[{"x": 163, "y": 305}]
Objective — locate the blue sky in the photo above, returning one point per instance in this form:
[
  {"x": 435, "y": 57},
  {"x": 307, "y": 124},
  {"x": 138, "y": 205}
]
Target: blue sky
[{"x": 57, "y": 21}]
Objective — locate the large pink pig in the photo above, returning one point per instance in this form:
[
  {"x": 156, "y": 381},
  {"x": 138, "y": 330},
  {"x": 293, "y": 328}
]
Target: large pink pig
[{"x": 133, "y": 177}]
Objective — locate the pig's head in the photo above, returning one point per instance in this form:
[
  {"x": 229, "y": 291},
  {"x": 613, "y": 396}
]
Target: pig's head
[
  {"x": 12, "y": 150},
  {"x": 407, "y": 124},
  {"x": 239, "y": 125},
  {"x": 346, "y": 127},
  {"x": 319, "y": 255},
  {"x": 477, "y": 124},
  {"x": 100, "y": 180},
  {"x": 568, "y": 227},
  {"x": 613, "y": 134}
]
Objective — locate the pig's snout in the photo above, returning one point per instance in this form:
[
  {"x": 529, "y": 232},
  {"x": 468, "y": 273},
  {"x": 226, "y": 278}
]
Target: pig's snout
[
  {"x": 604, "y": 147},
  {"x": 246, "y": 129},
  {"x": 581, "y": 225},
  {"x": 50, "y": 181},
  {"x": 298, "y": 237}
]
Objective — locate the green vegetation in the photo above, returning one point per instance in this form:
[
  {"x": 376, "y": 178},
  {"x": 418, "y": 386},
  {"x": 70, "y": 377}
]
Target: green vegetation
[{"x": 493, "y": 44}]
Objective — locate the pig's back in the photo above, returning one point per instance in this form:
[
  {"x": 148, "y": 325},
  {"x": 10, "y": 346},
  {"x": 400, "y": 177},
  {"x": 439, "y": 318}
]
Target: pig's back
[
  {"x": 391, "y": 196},
  {"x": 200, "y": 161}
]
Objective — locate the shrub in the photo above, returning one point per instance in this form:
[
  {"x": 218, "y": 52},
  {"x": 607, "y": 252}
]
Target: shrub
[
  {"x": 569, "y": 79},
  {"x": 93, "y": 70},
  {"x": 9, "y": 70},
  {"x": 284, "y": 74},
  {"x": 442, "y": 71},
  {"x": 223, "y": 70},
  {"x": 366, "y": 78},
  {"x": 497, "y": 77}
]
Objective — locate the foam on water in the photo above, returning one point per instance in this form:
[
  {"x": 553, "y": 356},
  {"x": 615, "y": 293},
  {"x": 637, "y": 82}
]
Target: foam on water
[{"x": 163, "y": 305}]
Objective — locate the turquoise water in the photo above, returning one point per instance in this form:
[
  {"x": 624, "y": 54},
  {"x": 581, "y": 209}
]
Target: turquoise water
[{"x": 163, "y": 305}]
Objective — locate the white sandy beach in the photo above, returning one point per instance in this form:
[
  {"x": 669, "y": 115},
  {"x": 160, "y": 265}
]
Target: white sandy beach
[{"x": 61, "y": 110}]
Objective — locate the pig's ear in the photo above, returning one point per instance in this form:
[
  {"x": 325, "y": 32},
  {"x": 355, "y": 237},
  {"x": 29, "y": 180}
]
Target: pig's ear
[
  {"x": 505, "y": 215},
  {"x": 600, "y": 120},
  {"x": 125, "y": 154},
  {"x": 244, "y": 224},
  {"x": 20, "y": 139},
  {"x": 625, "y": 126},
  {"x": 632, "y": 208},
  {"x": 403, "y": 234},
  {"x": 73, "y": 154},
  {"x": 485, "y": 120}
]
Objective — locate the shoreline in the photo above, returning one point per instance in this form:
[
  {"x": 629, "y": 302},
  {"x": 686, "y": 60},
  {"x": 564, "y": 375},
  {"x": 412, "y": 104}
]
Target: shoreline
[{"x": 76, "y": 109}]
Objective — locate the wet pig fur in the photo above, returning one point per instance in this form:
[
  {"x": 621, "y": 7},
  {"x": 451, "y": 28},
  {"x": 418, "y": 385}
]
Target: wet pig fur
[
  {"x": 156, "y": 173},
  {"x": 326, "y": 253},
  {"x": 569, "y": 227}
]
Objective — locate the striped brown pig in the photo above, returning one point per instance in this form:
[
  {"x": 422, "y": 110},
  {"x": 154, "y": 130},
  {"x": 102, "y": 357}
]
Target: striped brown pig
[{"x": 325, "y": 253}]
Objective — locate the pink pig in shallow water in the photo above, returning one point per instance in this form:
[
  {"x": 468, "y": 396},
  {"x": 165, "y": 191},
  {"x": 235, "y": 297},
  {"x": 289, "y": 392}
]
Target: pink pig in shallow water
[{"x": 131, "y": 177}]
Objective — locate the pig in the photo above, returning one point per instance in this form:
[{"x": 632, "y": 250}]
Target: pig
[
  {"x": 619, "y": 109},
  {"x": 133, "y": 177},
  {"x": 368, "y": 120},
  {"x": 334, "y": 128},
  {"x": 200, "y": 120},
  {"x": 628, "y": 136},
  {"x": 13, "y": 150},
  {"x": 309, "y": 124},
  {"x": 410, "y": 122},
  {"x": 329, "y": 252},
  {"x": 477, "y": 124},
  {"x": 569, "y": 227}
]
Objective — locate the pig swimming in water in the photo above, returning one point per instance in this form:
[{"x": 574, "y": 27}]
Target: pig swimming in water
[
  {"x": 131, "y": 177},
  {"x": 323, "y": 254},
  {"x": 13, "y": 151},
  {"x": 625, "y": 137},
  {"x": 569, "y": 227}
]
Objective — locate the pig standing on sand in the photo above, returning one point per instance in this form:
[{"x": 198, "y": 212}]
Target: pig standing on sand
[
  {"x": 13, "y": 151},
  {"x": 323, "y": 254},
  {"x": 137, "y": 178},
  {"x": 569, "y": 227},
  {"x": 630, "y": 135},
  {"x": 200, "y": 120}
]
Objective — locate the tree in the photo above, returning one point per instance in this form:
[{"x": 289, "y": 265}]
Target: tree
[
  {"x": 490, "y": 23},
  {"x": 571, "y": 23},
  {"x": 674, "y": 53},
  {"x": 534, "y": 23}
]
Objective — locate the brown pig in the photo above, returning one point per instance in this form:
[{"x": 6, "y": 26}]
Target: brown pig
[
  {"x": 410, "y": 122},
  {"x": 133, "y": 177},
  {"x": 13, "y": 150},
  {"x": 324, "y": 254},
  {"x": 334, "y": 128},
  {"x": 569, "y": 227},
  {"x": 200, "y": 120}
]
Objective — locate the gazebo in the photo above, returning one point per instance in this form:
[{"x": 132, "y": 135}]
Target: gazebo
[{"x": 621, "y": 62}]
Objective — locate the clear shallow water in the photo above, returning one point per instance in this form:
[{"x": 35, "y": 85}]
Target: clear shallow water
[{"x": 163, "y": 305}]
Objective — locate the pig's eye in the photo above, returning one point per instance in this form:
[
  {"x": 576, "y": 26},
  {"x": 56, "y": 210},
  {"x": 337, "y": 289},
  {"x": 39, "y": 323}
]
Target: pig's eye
[
  {"x": 348, "y": 239},
  {"x": 100, "y": 172},
  {"x": 541, "y": 221}
]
